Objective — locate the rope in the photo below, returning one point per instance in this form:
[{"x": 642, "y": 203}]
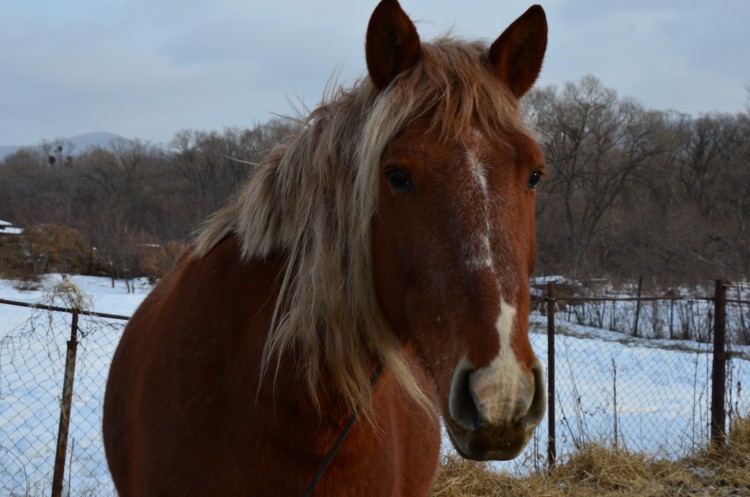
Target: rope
[{"x": 340, "y": 440}]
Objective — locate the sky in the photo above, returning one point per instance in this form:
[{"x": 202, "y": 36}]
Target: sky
[{"x": 148, "y": 69}]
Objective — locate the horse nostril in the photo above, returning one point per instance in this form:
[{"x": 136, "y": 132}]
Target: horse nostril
[
  {"x": 463, "y": 408},
  {"x": 538, "y": 407}
]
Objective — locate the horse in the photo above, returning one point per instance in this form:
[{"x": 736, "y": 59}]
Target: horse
[{"x": 393, "y": 232}]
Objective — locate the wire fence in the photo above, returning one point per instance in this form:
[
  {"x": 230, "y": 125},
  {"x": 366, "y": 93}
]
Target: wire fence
[
  {"x": 53, "y": 370},
  {"x": 648, "y": 390},
  {"x": 661, "y": 375}
]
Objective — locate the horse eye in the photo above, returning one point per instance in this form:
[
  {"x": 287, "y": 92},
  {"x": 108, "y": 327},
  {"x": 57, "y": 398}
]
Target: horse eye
[
  {"x": 399, "y": 180},
  {"x": 534, "y": 179}
]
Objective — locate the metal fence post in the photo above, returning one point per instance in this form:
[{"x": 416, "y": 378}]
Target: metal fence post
[
  {"x": 551, "y": 302},
  {"x": 719, "y": 367},
  {"x": 65, "y": 405},
  {"x": 638, "y": 306}
]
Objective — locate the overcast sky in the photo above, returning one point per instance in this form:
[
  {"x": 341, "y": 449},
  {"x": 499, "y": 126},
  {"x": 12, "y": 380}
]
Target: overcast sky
[{"x": 150, "y": 68}]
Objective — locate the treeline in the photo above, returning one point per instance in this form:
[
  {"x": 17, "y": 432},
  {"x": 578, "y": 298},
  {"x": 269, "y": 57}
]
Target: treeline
[
  {"x": 631, "y": 191},
  {"x": 134, "y": 204},
  {"x": 637, "y": 192}
]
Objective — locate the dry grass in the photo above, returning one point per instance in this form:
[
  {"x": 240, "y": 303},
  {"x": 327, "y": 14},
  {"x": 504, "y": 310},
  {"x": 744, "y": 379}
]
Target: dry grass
[{"x": 603, "y": 471}]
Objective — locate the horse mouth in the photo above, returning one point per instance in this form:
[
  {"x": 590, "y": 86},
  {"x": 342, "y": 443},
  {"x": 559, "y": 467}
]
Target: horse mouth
[
  {"x": 472, "y": 433},
  {"x": 489, "y": 443}
]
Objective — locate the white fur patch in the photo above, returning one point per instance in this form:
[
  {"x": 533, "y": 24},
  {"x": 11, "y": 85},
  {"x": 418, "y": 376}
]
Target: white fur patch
[
  {"x": 473, "y": 157},
  {"x": 481, "y": 175},
  {"x": 497, "y": 388},
  {"x": 479, "y": 253},
  {"x": 505, "y": 324}
]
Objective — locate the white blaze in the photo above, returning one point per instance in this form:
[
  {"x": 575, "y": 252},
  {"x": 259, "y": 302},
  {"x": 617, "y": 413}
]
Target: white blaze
[
  {"x": 500, "y": 389},
  {"x": 480, "y": 174},
  {"x": 497, "y": 388},
  {"x": 479, "y": 250}
]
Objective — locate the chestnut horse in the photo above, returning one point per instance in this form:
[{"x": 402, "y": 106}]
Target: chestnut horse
[{"x": 395, "y": 229}]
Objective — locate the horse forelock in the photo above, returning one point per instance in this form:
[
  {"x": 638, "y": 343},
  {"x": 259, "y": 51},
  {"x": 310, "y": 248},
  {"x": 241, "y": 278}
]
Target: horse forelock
[{"x": 315, "y": 198}]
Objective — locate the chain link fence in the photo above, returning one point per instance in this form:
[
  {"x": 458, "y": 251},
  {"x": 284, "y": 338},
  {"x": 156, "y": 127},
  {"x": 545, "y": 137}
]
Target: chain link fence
[
  {"x": 648, "y": 393},
  {"x": 636, "y": 373},
  {"x": 50, "y": 445}
]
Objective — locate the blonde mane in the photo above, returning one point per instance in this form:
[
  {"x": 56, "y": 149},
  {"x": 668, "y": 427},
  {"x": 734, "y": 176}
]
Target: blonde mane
[{"x": 314, "y": 198}]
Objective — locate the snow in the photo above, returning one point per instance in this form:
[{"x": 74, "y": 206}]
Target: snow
[
  {"x": 7, "y": 228},
  {"x": 543, "y": 280},
  {"x": 32, "y": 358},
  {"x": 661, "y": 405}
]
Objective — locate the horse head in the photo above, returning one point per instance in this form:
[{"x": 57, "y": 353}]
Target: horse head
[{"x": 453, "y": 234}]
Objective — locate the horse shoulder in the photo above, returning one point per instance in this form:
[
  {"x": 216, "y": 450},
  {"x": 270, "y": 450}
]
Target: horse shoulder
[
  {"x": 395, "y": 452},
  {"x": 190, "y": 354}
]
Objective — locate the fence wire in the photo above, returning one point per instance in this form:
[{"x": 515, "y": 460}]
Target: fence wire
[
  {"x": 648, "y": 393},
  {"x": 644, "y": 387},
  {"x": 32, "y": 368}
]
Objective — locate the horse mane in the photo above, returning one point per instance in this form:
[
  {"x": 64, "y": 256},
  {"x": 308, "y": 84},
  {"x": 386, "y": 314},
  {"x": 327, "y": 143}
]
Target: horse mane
[{"x": 314, "y": 198}]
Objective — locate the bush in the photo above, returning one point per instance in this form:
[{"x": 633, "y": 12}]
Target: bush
[{"x": 44, "y": 248}]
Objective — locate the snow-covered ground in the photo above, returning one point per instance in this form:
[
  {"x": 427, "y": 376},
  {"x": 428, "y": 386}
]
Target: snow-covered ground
[
  {"x": 32, "y": 362},
  {"x": 653, "y": 394}
]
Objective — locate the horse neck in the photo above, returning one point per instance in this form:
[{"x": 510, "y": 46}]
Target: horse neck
[
  {"x": 326, "y": 406},
  {"x": 282, "y": 386}
]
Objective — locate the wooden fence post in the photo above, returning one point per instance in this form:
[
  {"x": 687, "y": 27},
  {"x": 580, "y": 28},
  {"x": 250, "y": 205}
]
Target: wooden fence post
[
  {"x": 65, "y": 405},
  {"x": 551, "y": 302},
  {"x": 719, "y": 367}
]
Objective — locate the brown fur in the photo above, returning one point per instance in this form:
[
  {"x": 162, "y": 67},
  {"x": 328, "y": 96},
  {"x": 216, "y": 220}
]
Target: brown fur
[
  {"x": 335, "y": 161},
  {"x": 239, "y": 370}
]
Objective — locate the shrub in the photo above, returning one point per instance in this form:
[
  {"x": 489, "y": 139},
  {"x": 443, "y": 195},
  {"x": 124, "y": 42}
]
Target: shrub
[{"x": 44, "y": 248}]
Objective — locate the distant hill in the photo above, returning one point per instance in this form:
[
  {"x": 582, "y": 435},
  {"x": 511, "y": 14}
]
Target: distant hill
[{"x": 81, "y": 143}]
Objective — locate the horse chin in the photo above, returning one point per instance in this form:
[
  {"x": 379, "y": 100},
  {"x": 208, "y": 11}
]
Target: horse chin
[{"x": 489, "y": 443}]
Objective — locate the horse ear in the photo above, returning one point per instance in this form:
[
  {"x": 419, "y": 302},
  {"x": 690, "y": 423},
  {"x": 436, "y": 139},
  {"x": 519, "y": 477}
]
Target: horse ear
[
  {"x": 518, "y": 52},
  {"x": 392, "y": 45}
]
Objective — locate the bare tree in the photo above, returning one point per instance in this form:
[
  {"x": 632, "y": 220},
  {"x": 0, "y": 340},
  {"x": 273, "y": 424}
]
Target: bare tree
[
  {"x": 632, "y": 191},
  {"x": 595, "y": 145}
]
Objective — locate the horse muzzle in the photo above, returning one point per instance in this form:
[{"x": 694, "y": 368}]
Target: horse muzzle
[{"x": 492, "y": 413}]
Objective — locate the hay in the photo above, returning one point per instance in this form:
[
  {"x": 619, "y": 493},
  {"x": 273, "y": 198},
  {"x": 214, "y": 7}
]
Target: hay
[
  {"x": 67, "y": 294},
  {"x": 728, "y": 466},
  {"x": 602, "y": 471}
]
